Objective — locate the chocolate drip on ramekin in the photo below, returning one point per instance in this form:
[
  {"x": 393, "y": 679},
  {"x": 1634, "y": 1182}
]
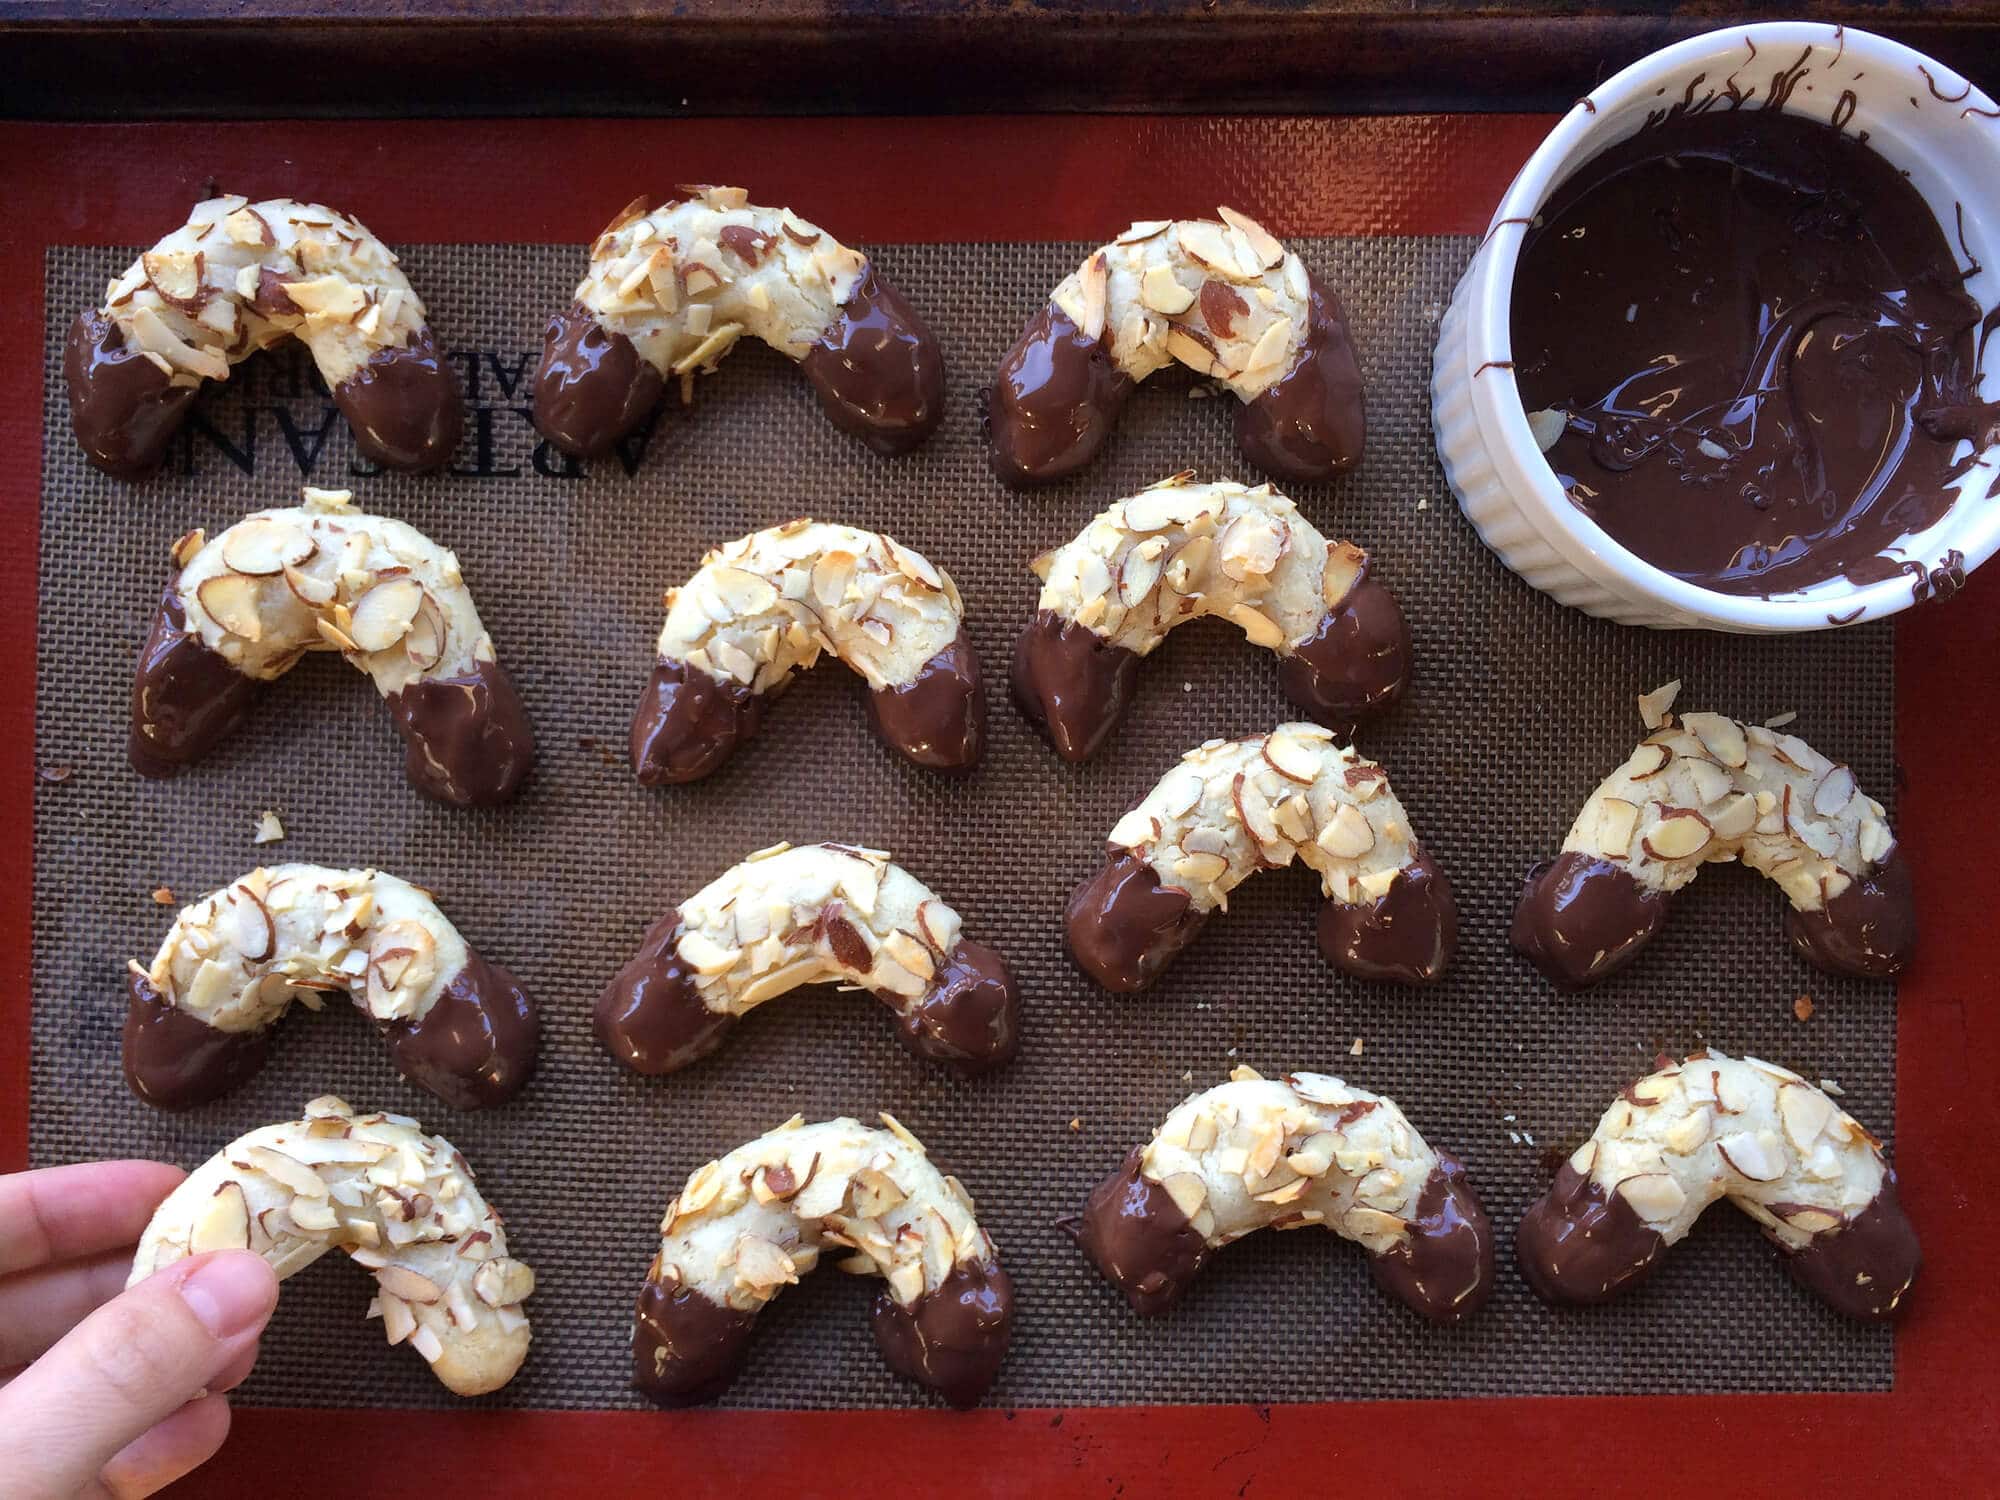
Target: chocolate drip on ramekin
[
  {"x": 1137, "y": 1236},
  {"x": 1053, "y": 403},
  {"x": 1355, "y": 664},
  {"x": 877, "y": 369},
  {"x": 1408, "y": 934},
  {"x": 938, "y": 718},
  {"x": 1578, "y": 1243},
  {"x": 477, "y": 1044},
  {"x": 651, "y": 1017},
  {"x": 123, "y": 408},
  {"x": 953, "y": 1337},
  {"x": 1443, "y": 1270},
  {"x": 593, "y": 386},
  {"x": 688, "y": 723},
  {"x": 404, "y": 406},
  {"x": 969, "y": 1016},
  {"x": 1863, "y": 1268},
  {"x": 467, "y": 738},
  {"x": 176, "y": 1060},
  {"x": 1582, "y": 918},
  {"x": 686, "y": 1349},
  {"x": 186, "y": 698},
  {"x": 1125, "y": 927},
  {"x": 1869, "y": 930},
  {"x": 1071, "y": 683},
  {"x": 1310, "y": 423}
]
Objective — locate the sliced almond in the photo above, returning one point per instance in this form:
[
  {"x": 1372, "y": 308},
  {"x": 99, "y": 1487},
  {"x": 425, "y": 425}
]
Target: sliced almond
[
  {"x": 243, "y": 922},
  {"x": 1201, "y": 868},
  {"x": 1292, "y": 756},
  {"x": 223, "y": 1222},
  {"x": 1806, "y": 1218},
  {"x": 1735, "y": 817},
  {"x": 1681, "y": 834},
  {"x": 1348, "y": 833},
  {"x": 1617, "y": 821},
  {"x": 1804, "y": 1111},
  {"x": 315, "y": 593},
  {"x": 1722, "y": 736},
  {"x": 1834, "y": 792},
  {"x": 263, "y": 548},
  {"x": 401, "y": 1281},
  {"x": 1711, "y": 782},
  {"x": 1161, "y": 291},
  {"x": 231, "y": 600},
  {"x": 762, "y": 1264},
  {"x": 287, "y": 1171},
  {"x": 874, "y": 1193},
  {"x": 1137, "y": 829},
  {"x": 1655, "y": 707},
  {"x": 1345, "y": 565},
  {"x": 1654, "y": 1196},
  {"x": 1754, "y": 1155},
  {"x": 1188, "y": 1190},
  {"x": 1648, "y": 761},
  {"x": 1259, "y": 627},
  {"x": 426, "y": 641},
  {"x": 384, "y": 614}
]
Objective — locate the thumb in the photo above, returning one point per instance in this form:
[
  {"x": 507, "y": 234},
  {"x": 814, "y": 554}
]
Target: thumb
[{"x": 135, "y": 1360}]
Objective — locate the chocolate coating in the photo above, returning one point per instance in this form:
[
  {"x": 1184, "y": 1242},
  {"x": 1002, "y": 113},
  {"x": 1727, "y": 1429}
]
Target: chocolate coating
[
  {"x": 592, "y": 387},
  {"x": 1137, "y": 1236},
  {"x": 1355, "y": 664},
  {"x": 970, "y": 1016},
  {"x": 1869, "y": 930},
  {"x": 938, "y": 718},
  {"x": 404, "y": 406},
  {"x": 467, "y": 738},
  {"x": 1863, "y": 1269},
  {"x": 1309, "y": 424},
  {"x": 1579, "y": 1244},
  {"x": 1125, "y": 927},
  {"x": 685, "y": 1348},
  {"x": 1444, "y": 1270},
  {"x": 953, "y": 1337},
  {"x": 1408, "y": 934},
  {"x": 186, "y": 698},
  {"x": 651, "y": 1017},
  {"x": 1761, "y": 337},
  {"x": 1071, "y": 683},
  {"x": 688, "y": 723},
  {"x": 1580, "y": 919},
  {"x": 477, "y": 1044},
  {"x": 122, "y": 407},
  {"x": 174, "y": 1059},
  {"x": 877, "y": 369},
  {"x": 1053, "y": 403}
]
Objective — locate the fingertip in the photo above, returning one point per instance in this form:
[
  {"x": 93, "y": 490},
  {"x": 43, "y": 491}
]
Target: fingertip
[
  {"x": 173, "y": 1447},
  {"x": 232, "y": 1292}
]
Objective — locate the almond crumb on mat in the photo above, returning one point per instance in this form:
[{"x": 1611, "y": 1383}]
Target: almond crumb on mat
[
  {"x": 1803, "y": 1007},
  {"x": 163, "y": 896},
  {"x": 1355, "y": 1050},
  {"x": 269, "y": 829},
  {"x": 54, "y": 775}
]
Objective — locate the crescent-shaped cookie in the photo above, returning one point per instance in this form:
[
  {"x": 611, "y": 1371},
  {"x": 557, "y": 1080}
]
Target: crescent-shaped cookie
[
  {"x": 815, "y": 914},
  {"x": 1712, "y": 789},
  {"x": 1718, "y": 1127},
  {"x": 1258, "y": 1153},
  {"x": 1233, "y": 807},
  {"x": 766, "y": 605},
  {"x": 200, "y": 1017},
  {"x": 746, "y": 1227},
  {"x": 402, "y": 1203},
  {"x": 244, "y": 606},
  {"x": 670, "y": 291},
  {"x": 239, "y": 277},
  {"x": 1226, "y": 300},
  {"x": 1181, "y": 551}
]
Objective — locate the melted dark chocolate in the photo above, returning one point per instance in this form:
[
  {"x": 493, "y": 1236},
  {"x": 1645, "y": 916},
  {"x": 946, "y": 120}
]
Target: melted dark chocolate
[
  {"x": 1869, "y": 930},
  {"x": 477, "y": 1044},
  {"x": 953, "y": 1337},
  {"x": 1053, "y": 403},
  {"x": 404, "y": 406},
  {"x": 1137, "y": 1236},
  {"x": 592, "y": 387},
  {"x": 1749, "y": 318},
  {"x": 685, "y": 1348},
  {"x": 1864, "y": 1268},
  {"x": 1580, "y": 919},
  {"x": 122, "y": 406},
  {"x": 688, "y": 723},
  {"x": 1125, "y": 927},
  {"x": 938, "y": 718},
  {"x": 467, "y": 740},
  {"x": 877, "y": 370},
  {"x": 1408, "y": 934},
  {"x": 651, "y": 1017},
  {"x": 186, "y": 698},
  {"x": 1444, "y": 1270},
  {"x": 1071, "y": 683},
  {"x": 1355, "y": 664},
  {"x": 970, "y": 1016},
  {"x": 1579, "y": 1244},
  {"x": 175, "y": 1060},
  {"x": 1309, "y": 423}
]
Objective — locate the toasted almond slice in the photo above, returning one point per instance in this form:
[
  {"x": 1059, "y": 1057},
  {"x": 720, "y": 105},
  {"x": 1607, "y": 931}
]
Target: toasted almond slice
[
  {"x": 1265, "y": 246},
  {"x": 1161, "y": 290},
  {"x": 231, "y": 600},
  {"x": 313, "y": 592},
  {"x": 288, "y": 1171},
  {"x": 1345, "y": 565},
  {"x": 1202, "y": 869},
  {"x": 1261, "y": 629},
  {"x": 262, "y": 547},
  {"x": 1648, "y": 761},
  {"x": 1348, "y": 833},
  {"x": 1681, "y": 834},
  {"x": 1834, "y": 792},
  {"x": 1291, "y": 756},
  {"x": 1711, "y": 782},
  {"x": 426, "y": 640},
  {"x": 1806, "y": 1218},
  {"x": 224, "y": 1221},
  {"x": 1876, "y": 841},
  {"x": 1617, "y": 821},
  {"x": 243, "y": 922},
  {"x": 1188, "y": 1190},
  {"x": 1654, "y": 1196},
  {"x": 1655, "y": 708},
  {"x": 384, "y": 614},
  {"x": 1722, "y": 736},
  {"x": 1805, "y": 1112},
  {"x": 1135, "y": 830},
  {"x": 1755, "y": 1155},
  {"x": 1734, "y": 817}
]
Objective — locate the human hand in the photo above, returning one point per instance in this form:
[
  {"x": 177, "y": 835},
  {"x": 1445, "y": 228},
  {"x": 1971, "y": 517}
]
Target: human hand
[{"x": 104, "y": 1392}]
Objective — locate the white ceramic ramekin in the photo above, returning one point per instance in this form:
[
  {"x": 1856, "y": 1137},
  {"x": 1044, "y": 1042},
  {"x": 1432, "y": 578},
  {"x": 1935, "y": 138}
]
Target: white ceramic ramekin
[{"x": 1919, "y": 114}]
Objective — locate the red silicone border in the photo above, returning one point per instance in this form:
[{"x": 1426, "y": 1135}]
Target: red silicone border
[{"x": 1044, "y": 178}]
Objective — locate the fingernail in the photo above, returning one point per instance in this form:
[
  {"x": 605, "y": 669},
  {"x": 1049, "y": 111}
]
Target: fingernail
[{"x": 229, "y": 1293}]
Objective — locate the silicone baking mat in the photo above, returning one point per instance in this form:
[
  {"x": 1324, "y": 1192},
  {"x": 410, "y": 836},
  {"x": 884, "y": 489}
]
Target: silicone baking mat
[{"x": 1518, "y": 707}]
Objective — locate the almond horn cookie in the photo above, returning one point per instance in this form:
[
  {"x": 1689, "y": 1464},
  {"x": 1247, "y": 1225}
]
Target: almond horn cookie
[
  {"x": 766, "y": 605},
  {"x": 1259, "y": 1153},
  {"x": 816, "y": 914},
  {"x": 400, "y": 1202},
  {"x": 244, "y": 606},
  {"x": 670, "y": 291},
  {"x": 1714, "y": 789},
  {"x": 748, "y": 1226},
  {"x": 1716, "y": 1127},
  {"x": 200, "y": 1017},
  {"x": 1233, "y": 807},
  {"x": 1180, "y": 551},
  {"x": 239, "y": 277},
  {"x": 1226, "y": 300}
]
